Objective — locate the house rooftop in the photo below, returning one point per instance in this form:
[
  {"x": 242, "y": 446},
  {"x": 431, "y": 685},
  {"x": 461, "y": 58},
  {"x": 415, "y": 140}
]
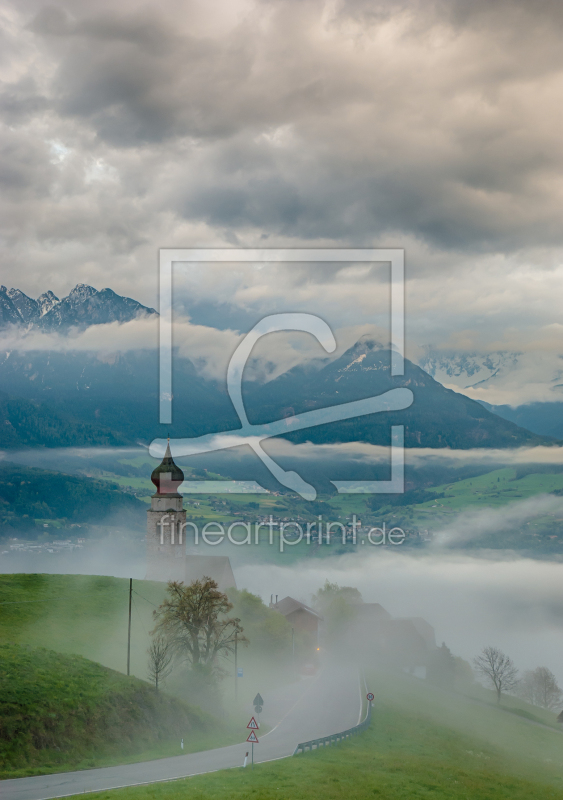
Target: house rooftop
[{"x": 288, "y": 605}]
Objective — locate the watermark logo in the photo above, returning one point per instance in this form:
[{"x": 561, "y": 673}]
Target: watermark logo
[
  {"x": 253, "y": 435},
  {"x": 282, "y": 534}
]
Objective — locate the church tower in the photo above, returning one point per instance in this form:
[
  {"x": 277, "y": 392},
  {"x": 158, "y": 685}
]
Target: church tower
[{"x": 166, "y": 524}]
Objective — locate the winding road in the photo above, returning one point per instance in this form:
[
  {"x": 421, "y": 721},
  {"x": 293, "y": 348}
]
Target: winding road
[{"x": 314, "y": 707}]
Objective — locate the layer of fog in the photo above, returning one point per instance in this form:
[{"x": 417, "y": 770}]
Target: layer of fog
[
  {"x": 208, "y": 348},
  {"x": 120, "y": 556},
  {"x": 515, "y": 604},
  {"x": 471, "y": 600},
  {"x": 419, "y": 457}
]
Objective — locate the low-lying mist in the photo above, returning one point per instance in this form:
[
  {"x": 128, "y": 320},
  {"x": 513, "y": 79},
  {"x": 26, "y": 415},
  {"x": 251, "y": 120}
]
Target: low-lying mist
[
  {"x": 471, "y": 600},
  {"x": 513, "y": 603}
]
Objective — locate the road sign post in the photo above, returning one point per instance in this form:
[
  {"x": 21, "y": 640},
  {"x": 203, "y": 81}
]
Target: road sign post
[
  {"x": 252, "y": 738},
  {"x": 370, "y": 697},
  {"x": 258, "y": 703}
]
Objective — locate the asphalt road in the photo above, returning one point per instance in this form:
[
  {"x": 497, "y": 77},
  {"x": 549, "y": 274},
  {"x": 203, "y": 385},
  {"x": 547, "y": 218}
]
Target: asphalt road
[{"x": 314, "y": 707}]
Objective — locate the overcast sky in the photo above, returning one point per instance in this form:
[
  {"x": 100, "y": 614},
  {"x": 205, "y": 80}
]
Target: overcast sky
[{"x": 433, "y": 126}]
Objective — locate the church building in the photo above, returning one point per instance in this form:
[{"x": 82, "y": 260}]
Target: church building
[{"x": 166, "y": 535}]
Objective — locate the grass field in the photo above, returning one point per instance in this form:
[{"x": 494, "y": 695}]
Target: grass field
[
  {"x": 423, "y": 744},
  {"x": 60, "y": 712},
  {"x": 79, "y": 614},
  {"x": 496, "y": 489},
  {"x": 87, "y": 615},
  {"x": 492, "y": 489}
]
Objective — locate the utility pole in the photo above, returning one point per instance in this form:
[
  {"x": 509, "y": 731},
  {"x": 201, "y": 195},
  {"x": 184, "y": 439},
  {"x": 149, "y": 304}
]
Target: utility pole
[
  {"x": 129, "y": 628},
  {"x": 293, "y": 647},
  {"x": 236, "y": 667}
]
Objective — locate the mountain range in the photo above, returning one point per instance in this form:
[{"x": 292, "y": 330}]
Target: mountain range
[
  {"x": 116, "y": 395},
  {"x": 545, "y": 419},
  {"x": 523, "y": 387},
  {"x": 438, "y": 417},
  {"x": 82, "y": 307},
  {"x": 466, "y": 370}
]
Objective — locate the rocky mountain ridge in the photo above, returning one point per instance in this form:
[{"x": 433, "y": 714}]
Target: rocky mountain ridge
[{"x": 82, "y": 307}]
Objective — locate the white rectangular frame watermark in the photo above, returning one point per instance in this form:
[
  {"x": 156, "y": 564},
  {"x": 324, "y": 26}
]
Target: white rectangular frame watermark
[{"x": 395, "y": 256}]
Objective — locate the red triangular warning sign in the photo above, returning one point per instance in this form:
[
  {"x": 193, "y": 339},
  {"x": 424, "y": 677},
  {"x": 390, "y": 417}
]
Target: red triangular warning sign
[
  {"x": 253, "y": 724},
  {"x": 252, "y": 737}
]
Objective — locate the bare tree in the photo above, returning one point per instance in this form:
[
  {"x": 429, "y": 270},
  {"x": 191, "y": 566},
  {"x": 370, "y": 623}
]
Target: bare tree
[
  {"x": 526, "y": 688},
  {"x": 539, "y": 687},
  {"x": 161, "y": 654},
  {"x": 495, "y": 665},
  {"x": 193, "y": 620},
  {"x": 548, "y": 692}
]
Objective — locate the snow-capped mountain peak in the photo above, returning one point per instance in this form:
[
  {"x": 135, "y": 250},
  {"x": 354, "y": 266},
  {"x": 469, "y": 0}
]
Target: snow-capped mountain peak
[
  {"x": 82, "y": 307},
  {"x": 25, "y": 306},
  {"x": 80, "y": 293},
  {"x": 46, "y": 301},
  {"x": 465, "y": 370}
]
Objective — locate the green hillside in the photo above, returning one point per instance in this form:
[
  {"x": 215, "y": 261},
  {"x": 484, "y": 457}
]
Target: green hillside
[
  {"x": 87, "y": 615},
  {"x": 499, "y": 487},
  {"x": 423, "y": 744},
  {"x": 80, "y": 614},
  {"x": 436, "y": 507},
  {"x": 32, "y": 423},
  {"x": 59, "y": 711},
  {"x": 27, "y": 494}
]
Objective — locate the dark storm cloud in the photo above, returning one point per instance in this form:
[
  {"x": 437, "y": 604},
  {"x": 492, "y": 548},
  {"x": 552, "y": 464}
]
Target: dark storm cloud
[
  {"x": 21, "y": 100},
  {"x": 137, "y": 80},
  {"x": 405, "y": 124},
  {"x": 24, "y": 167}
]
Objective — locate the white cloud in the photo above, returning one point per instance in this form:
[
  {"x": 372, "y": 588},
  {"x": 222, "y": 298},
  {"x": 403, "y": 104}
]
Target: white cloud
[
  {"x": 469, "y": 526},
  {"x": 419, "y": 456}
]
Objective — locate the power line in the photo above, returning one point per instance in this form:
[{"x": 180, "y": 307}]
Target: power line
[
  {"x": 139, "y": 615},
  {"x": 144, "y": 598}
]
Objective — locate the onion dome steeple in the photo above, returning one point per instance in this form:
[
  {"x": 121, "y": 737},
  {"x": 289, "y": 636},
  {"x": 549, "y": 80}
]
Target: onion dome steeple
[{"x": 167, "y": 477}]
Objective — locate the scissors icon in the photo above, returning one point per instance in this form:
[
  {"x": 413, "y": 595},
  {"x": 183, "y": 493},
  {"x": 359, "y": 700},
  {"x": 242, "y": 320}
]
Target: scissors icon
[{"x": 253, "y": 435}]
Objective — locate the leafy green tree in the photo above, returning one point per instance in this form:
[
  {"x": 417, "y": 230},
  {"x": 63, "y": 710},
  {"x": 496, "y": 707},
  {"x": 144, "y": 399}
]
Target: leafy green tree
[
  {"x": 194, "y": 619},
  {"x": 330, "y": 592},
  {"x": 337, "y": 604},
  {"x": 268, "y": 630}
]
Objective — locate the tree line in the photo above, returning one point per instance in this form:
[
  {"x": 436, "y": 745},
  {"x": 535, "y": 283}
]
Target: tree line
[{"x": 198, "y": 627}]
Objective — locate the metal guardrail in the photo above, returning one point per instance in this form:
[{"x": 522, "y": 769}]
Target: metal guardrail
[{"x": 326, "y": 741}]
